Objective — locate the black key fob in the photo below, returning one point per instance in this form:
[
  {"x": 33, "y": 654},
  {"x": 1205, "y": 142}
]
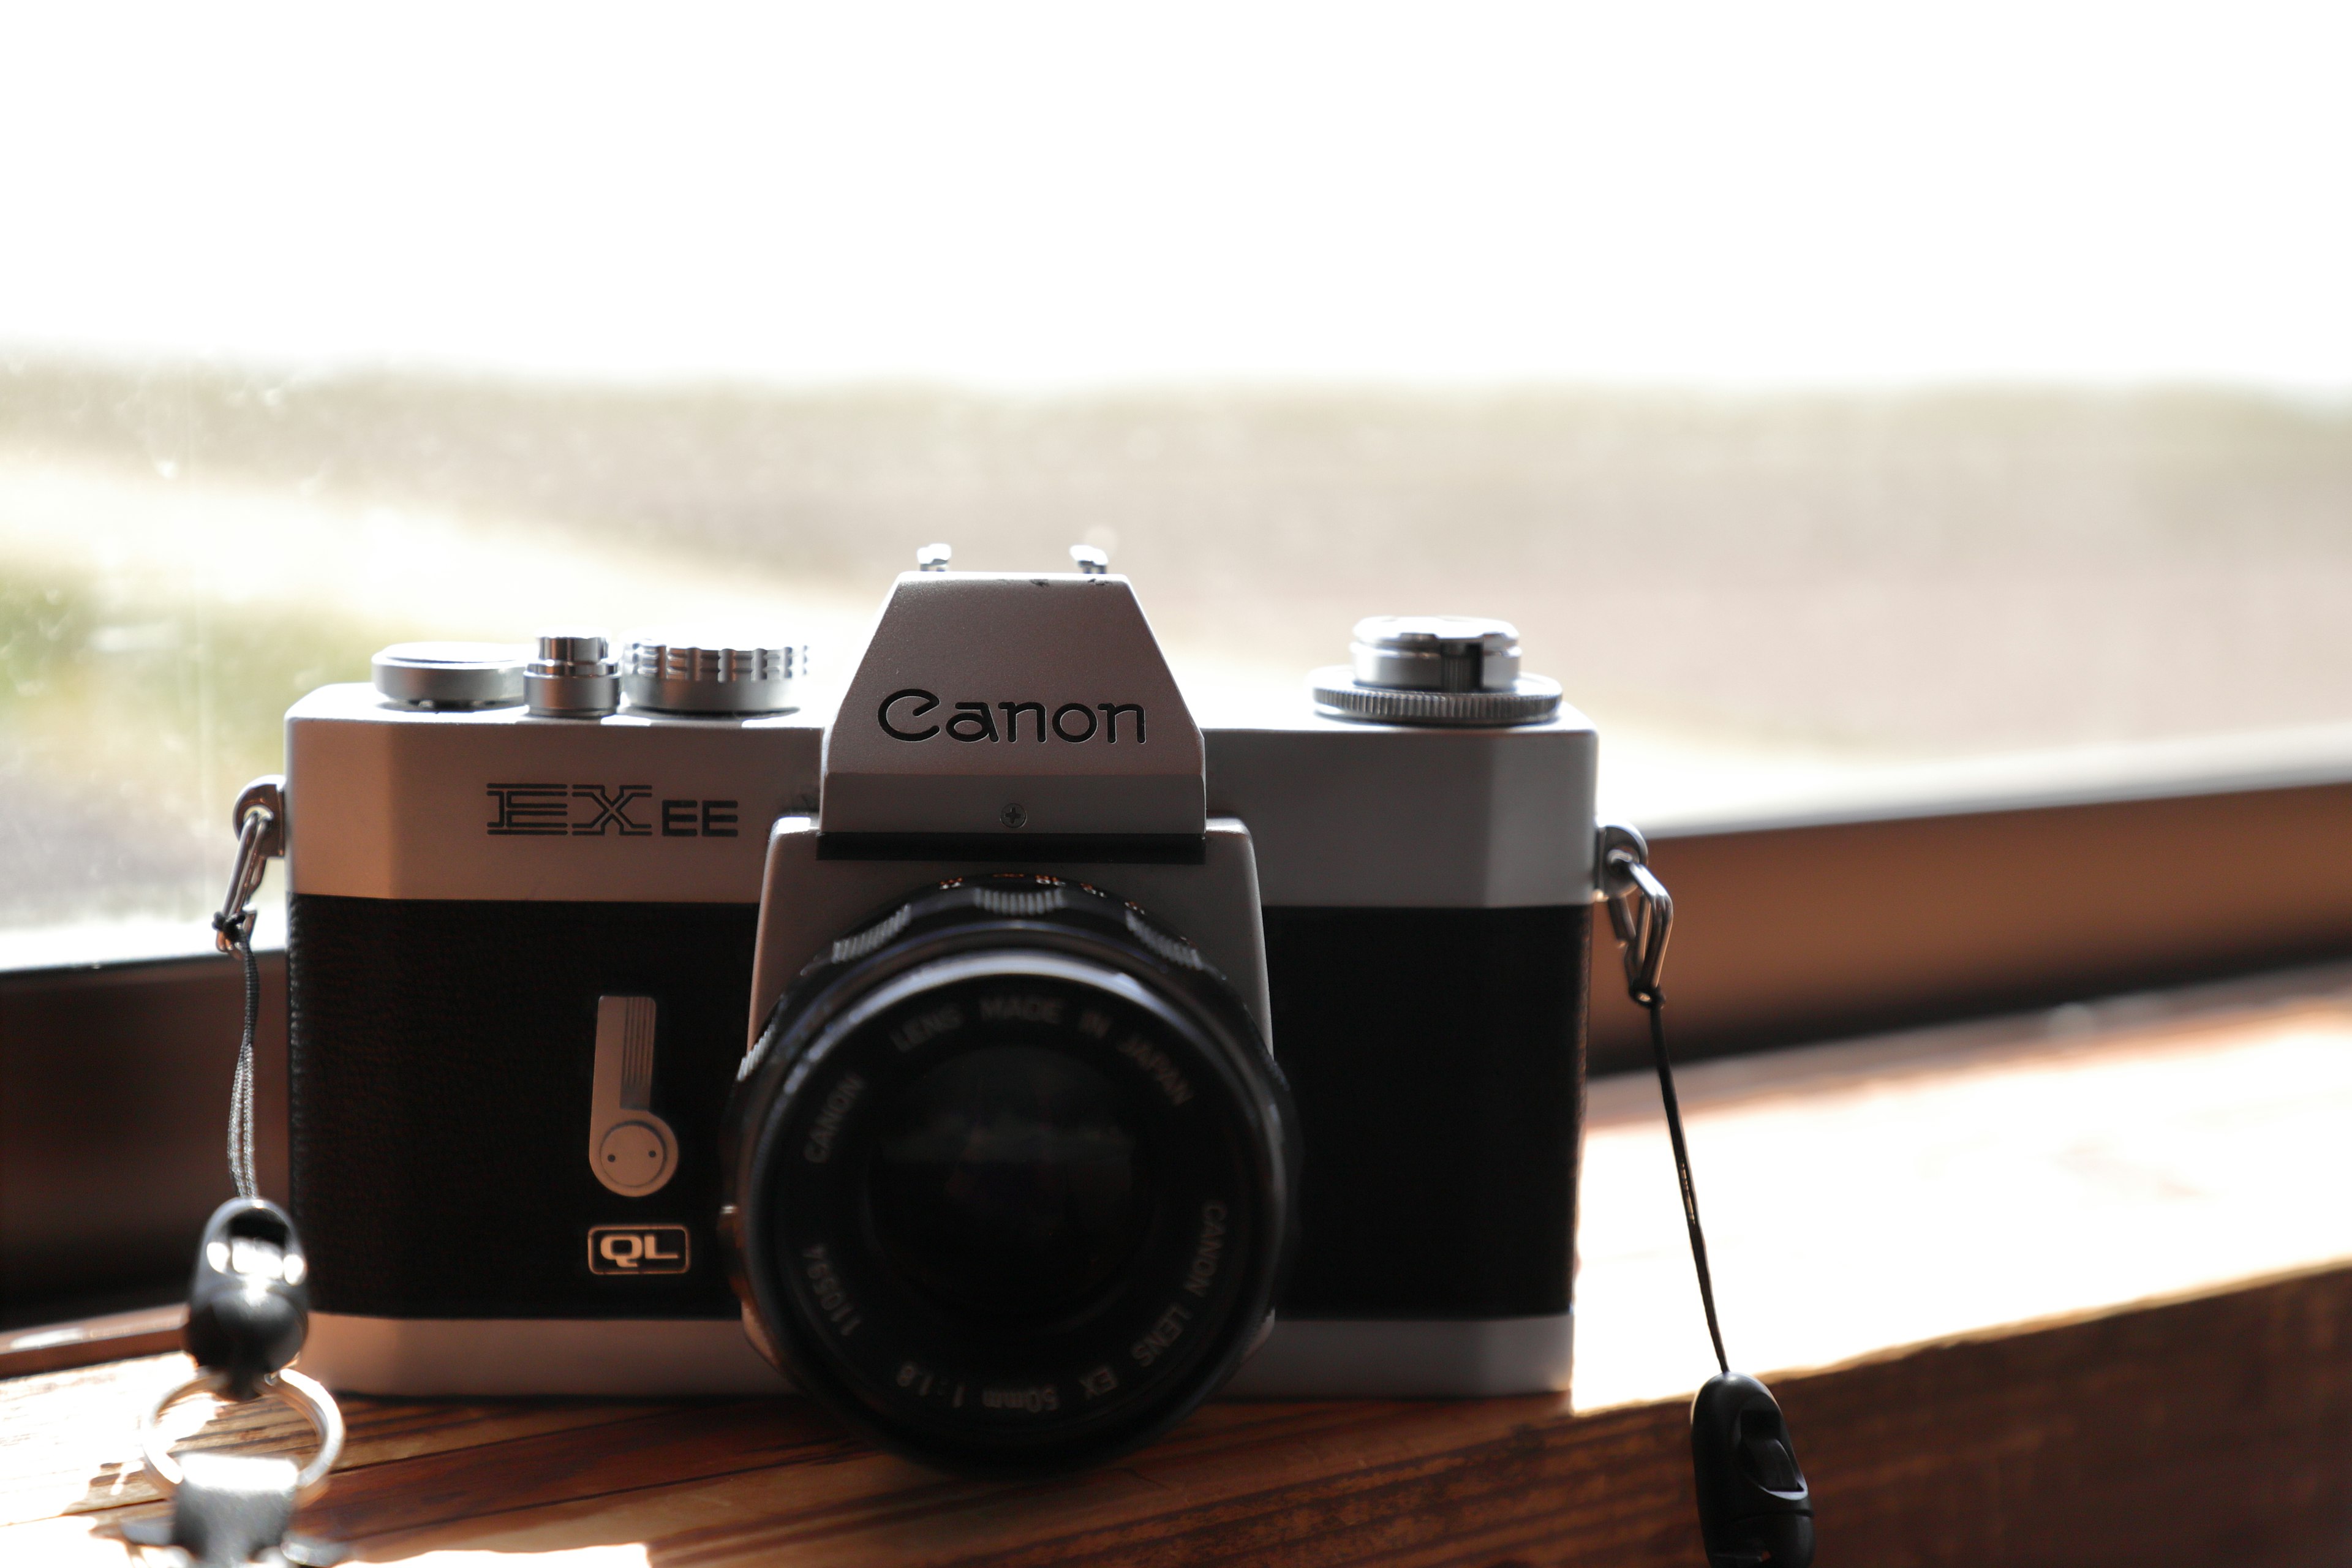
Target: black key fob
[
  {"x": 1753, "y": 1505},
  {"x": 249, "y": 1303},
  {"x": 230, "y": 1511}
]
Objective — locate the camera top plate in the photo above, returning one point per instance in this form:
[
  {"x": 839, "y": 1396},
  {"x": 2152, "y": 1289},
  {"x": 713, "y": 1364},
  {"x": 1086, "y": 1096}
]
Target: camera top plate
[{"x": 387, "y": 802}]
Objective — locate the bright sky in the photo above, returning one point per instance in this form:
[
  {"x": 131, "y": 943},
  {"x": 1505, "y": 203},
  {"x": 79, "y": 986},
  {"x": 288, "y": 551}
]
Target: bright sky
[{"x": 1032, "y": 194}]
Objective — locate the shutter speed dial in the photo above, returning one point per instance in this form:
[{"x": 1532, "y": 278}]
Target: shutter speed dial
[{"x": 699, "y": 675}]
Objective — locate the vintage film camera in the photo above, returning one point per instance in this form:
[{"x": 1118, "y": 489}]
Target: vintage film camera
[{"x": 1096, "y": 1058}]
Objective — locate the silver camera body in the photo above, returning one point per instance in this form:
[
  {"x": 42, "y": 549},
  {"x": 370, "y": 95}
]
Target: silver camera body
[{"x": 514, "y": 935}]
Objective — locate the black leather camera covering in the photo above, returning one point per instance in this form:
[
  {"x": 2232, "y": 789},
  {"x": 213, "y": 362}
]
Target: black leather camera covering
[
  {"x": 1437, "y": 1059},
  {"x": 442, "y": 1060},
  {"x": 442, "y": 1054}
]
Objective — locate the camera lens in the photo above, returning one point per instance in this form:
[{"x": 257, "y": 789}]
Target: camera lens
[
  {"x": 1010, "y": 1182},
  {"x": 1007, "y": 1182}
]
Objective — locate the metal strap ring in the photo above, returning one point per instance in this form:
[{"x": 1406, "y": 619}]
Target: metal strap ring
[
  {"x": 314, "y": 1404},
  {"x": 245, "y": 875},
  {"x": 1639, "y": 906},
  {"x": 1644, "y": 930}
]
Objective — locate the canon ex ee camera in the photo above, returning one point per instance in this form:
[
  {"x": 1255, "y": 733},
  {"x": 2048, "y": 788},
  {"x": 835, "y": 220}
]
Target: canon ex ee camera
[{"x": 1004, "y": 1056}]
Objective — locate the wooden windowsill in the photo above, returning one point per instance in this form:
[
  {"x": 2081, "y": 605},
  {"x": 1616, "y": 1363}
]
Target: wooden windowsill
[{"x": 2066, "y": 1288}]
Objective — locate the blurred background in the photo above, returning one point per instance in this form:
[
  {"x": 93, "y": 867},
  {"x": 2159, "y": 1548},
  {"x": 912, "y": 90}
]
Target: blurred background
[{"x": 1847, "y": 403}]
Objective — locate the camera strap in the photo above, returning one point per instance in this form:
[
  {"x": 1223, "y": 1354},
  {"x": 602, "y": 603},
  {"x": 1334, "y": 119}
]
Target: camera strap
[
  {"x": 1754, "y": 1505},
  {"x": 248, "y": 1305},
  {"x": 260, "y": 834},
  {"x": 1643, "y": 912}
]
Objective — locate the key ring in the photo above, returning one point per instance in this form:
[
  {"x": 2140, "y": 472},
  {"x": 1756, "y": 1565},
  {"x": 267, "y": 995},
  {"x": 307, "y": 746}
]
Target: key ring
[{"x": 314, "y": 1403}]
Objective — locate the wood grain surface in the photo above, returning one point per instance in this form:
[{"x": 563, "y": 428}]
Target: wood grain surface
[{"x": 1964, "y": 1391}]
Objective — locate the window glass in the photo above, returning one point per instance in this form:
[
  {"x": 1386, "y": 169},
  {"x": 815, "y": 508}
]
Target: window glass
[{"x": 1847, "y": 406}]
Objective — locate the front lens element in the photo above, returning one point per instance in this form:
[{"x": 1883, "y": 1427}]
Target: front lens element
[{"x": 1009, "y": 1183}]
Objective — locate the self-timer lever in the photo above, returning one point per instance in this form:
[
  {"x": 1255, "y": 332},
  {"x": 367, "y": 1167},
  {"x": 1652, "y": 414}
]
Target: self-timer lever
[{"x": 1754, "y": 1507}]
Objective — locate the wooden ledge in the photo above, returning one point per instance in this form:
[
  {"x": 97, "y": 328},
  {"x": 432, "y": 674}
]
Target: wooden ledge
[
  {"x": 116, "y": 1336},
  {"x": 1952, "y": 1204}
]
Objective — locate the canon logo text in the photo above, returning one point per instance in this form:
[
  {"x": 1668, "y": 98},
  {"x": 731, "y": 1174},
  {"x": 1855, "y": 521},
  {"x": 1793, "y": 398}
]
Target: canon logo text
[{"x": 906, "y": 715}]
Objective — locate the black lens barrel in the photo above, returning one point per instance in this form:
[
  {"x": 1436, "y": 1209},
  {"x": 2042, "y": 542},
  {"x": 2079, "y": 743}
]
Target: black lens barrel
[{"x": 1010, "y": 1178}]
